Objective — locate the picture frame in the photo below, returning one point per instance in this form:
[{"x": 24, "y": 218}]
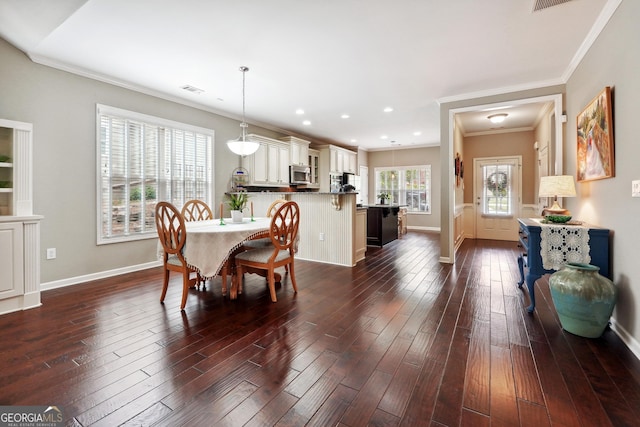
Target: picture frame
[
  {"x": 457, "y": 163},
  {"x": 595, "y": 146}
]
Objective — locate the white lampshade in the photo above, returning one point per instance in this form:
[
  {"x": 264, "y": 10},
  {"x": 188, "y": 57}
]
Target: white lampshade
[
  {"x": 243, "y": 147},
  {"x": 556, "y": 186}
]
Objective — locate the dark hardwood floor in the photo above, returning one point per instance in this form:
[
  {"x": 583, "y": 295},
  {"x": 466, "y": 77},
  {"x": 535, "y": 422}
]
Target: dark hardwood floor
[{"x": 398, "y": 340}]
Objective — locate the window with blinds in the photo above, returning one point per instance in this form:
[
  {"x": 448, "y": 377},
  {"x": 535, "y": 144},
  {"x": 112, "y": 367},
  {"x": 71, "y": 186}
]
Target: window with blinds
[
  {"x": 409, "y": 185},
  {"x": 142, "y": 160}
]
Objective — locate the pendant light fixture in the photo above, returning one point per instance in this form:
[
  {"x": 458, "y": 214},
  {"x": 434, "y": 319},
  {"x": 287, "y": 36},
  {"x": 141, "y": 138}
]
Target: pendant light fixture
[{"x": 242, "y": 146}]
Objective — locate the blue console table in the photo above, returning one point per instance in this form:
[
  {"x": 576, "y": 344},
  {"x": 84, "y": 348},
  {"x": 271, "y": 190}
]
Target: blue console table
[{"x": 531, "y": 258}]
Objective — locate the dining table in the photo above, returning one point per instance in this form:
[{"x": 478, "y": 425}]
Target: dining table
[{"x": 211, "y": 243}]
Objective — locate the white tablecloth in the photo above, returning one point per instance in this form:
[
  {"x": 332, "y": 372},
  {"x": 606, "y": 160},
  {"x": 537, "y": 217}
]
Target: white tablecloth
[
  {"x": 209, "y": 244},
  {"x": 560, "y": 244}
]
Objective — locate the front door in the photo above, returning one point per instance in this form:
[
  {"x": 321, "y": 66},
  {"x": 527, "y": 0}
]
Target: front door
[{"x": 497, "y": 195}]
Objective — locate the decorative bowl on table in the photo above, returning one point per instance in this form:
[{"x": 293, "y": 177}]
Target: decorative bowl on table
[{"x": 558, "y": 219}]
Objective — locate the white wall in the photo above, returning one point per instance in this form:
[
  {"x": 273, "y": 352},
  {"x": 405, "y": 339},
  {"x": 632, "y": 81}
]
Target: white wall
[{"x": 613, "y": 60}]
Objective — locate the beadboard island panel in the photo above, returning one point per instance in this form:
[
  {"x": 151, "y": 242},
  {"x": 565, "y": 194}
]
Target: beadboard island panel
[{"x": 327, "y": 225}]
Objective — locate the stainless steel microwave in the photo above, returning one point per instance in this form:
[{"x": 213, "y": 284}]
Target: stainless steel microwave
[{"x": 299, "y": 174}]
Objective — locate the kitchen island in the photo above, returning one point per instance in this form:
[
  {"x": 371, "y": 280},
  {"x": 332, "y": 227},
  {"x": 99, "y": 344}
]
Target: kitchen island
[
  {"x": 382, "y": 224},
  {"x": 332, "y": 228}
]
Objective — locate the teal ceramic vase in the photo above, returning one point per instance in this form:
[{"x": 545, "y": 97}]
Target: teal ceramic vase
[{"x": 584, "y": 299}]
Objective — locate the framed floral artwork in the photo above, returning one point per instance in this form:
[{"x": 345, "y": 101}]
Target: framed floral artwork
[{"x": 595, "y": 139}]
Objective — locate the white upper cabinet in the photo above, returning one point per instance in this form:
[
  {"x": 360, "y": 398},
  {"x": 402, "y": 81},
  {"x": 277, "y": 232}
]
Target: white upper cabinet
[
  {"x": 314, "y": 165},
  {"x": 269, "y": 166},
  {"x": 299, "y": 150},
  {"x": 334, "y": 159}
]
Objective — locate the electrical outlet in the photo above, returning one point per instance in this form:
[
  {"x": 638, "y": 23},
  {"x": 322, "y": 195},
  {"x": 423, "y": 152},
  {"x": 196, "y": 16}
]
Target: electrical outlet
[
  {"x": 51, "y": 253},
  {"x": 635, "y": 188},
  {"x": 321, "y": 237}
]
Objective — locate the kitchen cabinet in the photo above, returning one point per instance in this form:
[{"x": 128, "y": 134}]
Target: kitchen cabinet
[
  {"x": 19, "y": 228},
  {"x": 351, "y": 163},
  {"x": 382, "y": 224},
  {"x": 334, "y": 159},
  {"x": 314, "y": 165},
  {"x": 360, "y": 234},
  {"x": 298, "y": 150},
  {"x": 257, "y": 165},
  {"x": 269, "y": 165}
]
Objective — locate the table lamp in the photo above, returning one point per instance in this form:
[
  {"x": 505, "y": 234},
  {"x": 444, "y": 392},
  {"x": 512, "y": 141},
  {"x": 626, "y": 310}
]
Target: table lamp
[{"x": 557, "y": 186}]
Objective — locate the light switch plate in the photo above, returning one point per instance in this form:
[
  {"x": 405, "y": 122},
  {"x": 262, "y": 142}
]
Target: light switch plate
[{"x": 635, "y": 188}]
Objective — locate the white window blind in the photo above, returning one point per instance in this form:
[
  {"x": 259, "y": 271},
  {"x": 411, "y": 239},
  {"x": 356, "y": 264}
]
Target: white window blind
[{"x": 142, "y": 160}]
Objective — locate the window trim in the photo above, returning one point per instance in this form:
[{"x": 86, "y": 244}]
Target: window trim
[{"x": 102, "y": 109}]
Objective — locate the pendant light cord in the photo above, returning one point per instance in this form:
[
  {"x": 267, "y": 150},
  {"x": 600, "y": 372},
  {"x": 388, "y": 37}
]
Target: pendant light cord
[{"x": 244, "y": 122}]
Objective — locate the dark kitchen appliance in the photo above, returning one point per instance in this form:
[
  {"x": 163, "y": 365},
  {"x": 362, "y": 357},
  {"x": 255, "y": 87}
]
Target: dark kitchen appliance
[{"x": 348, "y": 179}]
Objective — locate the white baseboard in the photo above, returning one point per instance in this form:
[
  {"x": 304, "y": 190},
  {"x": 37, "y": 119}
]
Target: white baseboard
[
  {"x": 99, "y": 275},
  {"x": 326, "y": 262},
  {"x": 420, "y": 228},
  {"x": 626, "y": 337}
]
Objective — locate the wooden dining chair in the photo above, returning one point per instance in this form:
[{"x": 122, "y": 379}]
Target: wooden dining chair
[
  {"x": 263, "y": 240},
  {"x": 173, "y": 235},
  {"x": 283, "y": 231},
  {"x": 197, "y": 210}
]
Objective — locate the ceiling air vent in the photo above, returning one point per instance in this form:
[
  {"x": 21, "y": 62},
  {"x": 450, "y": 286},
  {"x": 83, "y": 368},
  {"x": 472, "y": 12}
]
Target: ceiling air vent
[
  {"x": 193, "y": 89},
  {"x": 543, "y": 4}
]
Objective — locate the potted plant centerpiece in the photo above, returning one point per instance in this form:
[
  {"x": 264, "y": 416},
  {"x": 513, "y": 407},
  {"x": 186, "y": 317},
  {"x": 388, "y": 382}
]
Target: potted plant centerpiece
[
  {"x": 383, "y": 198},
  {"x": 237, "y": 202}
]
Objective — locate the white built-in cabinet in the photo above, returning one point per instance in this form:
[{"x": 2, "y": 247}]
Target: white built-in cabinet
[
  {"x": 19, "y": 228},
  {"x": 269, "y": 166},
  {"x": 334, "y": 159},
  {"x": 314, "y": 166},
  {"x": 339, "y": 159},
  {"x": 299, "y": 150},
  {"x": 360, "y": 235}
]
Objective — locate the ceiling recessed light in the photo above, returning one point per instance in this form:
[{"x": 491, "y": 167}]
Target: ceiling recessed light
[
  {"x": 417, "y": 133},
  {"x": 307, "y": 122},
  {"x": 388, "y": 109},
  {"x": 344, "y": 116},
  {"x": 383, "y": 137},
  {"x": 497, "y": 118},
  {"x": 354, "y": 140},
  {"x": 299, "y": 111}
]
